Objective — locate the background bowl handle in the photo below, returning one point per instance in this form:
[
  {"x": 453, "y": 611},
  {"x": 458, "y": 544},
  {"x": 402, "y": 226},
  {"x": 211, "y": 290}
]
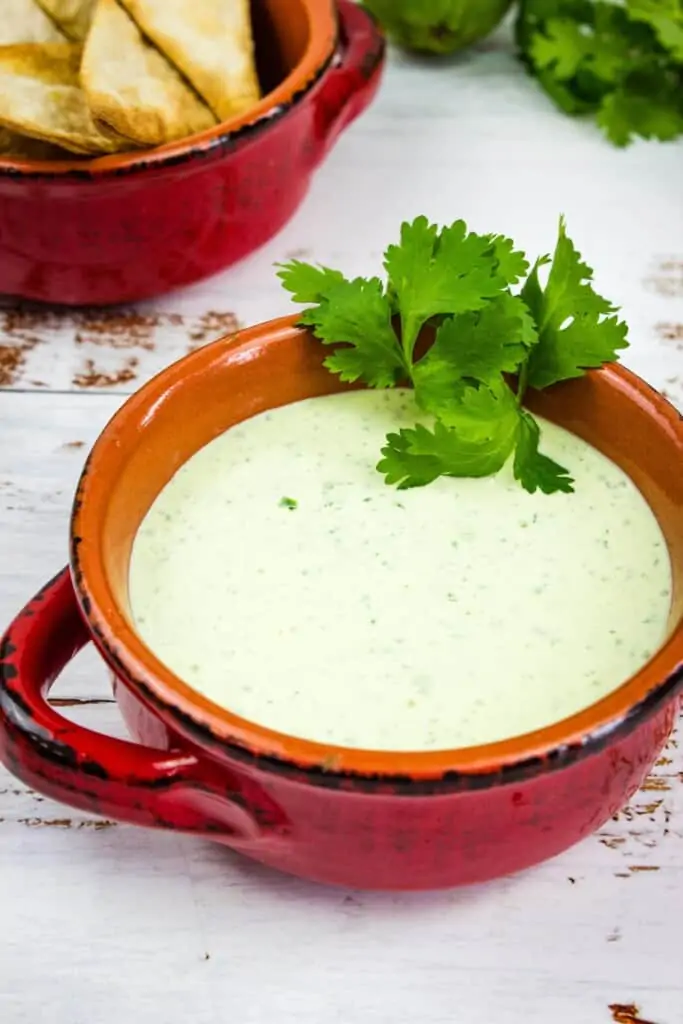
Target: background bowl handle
[
  {"x": 350, "y": 83},
  {"x": 96, "y": 773}
]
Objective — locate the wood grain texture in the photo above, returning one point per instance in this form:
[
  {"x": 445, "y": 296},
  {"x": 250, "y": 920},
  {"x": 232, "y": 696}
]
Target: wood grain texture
[
  {"x": 103, "y": 923},
  {"x": 138, "y": 913}
]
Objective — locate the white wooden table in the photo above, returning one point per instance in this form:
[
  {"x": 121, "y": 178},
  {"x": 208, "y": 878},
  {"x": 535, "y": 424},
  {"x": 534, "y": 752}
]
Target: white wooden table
[{"x": 101, "y": 925}]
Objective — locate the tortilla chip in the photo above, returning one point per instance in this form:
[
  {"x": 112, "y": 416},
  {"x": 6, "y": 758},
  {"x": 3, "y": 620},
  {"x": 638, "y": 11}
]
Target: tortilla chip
[
  {"x": 72, "y": 16},
  {"x": 211, "y": 42},
  {"x": 23, "y": 21},
  {"x": 132, "y": 88},
  {"x": 41, "y": 96},
  {"x": 23, "y": 148}
]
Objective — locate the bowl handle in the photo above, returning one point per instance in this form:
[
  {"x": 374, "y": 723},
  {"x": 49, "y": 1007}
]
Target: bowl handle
[
  {"x": 351, "y": 82},
  {"x": 96, "y": 773}
]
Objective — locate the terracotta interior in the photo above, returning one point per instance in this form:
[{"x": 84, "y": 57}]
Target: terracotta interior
[
  {"x": 635, "y": 427},
  {"x": 199, "y": 398},
  {"x": 281, "y": 35}
]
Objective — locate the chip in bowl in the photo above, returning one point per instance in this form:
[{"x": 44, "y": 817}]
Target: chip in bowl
[{"x": 131, "y": 87}]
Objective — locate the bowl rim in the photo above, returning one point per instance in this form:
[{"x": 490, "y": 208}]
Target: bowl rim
[
  {"x": 324, "y": 35},
  {"x": 213, "y": 727}
]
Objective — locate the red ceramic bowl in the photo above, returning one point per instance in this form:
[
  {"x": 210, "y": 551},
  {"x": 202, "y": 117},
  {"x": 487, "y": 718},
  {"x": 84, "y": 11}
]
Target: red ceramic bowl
[
  {"x": 353, "y": 817},
  {"x": 123, "y": 228}
]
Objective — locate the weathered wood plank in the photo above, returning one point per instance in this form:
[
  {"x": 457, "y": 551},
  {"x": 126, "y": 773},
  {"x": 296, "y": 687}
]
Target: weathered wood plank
[{"x": 558, "y": 943}]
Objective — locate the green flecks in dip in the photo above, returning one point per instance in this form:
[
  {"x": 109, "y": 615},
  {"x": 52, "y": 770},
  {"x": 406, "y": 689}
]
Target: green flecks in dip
[{"x": 457, "y": 614}]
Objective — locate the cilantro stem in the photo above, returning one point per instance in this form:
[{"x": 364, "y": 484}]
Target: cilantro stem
[{"x": 410, "y": 329}]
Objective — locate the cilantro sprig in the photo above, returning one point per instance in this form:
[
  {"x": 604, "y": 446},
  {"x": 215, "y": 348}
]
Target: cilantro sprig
[
  {"x": 621, "y": 62},
  {"x": 489, "y": 344}
]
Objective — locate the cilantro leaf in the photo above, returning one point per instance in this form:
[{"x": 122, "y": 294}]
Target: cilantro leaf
[
  {"x": 479, "y": 446},
  {"x": 600, "y": 47},
  {"x": 569, "y": 285},
  {"x": 306, "y": 282},
  {"x": 454, "y": 271},
  {"x": 630, "y": 111},
  {"x": 358, "y": 314},
  {"x": 512, "y": 264},
  {"x": 564, "y": 96},
  {"x": 587, "y": 343},
  {"x": 473, "y": 347},
  {"x": 517, "y": 311},
  {"x": 532, "y": 469},
  {"x": 467, "y": 408},
  {"x": 575, "y": 333},
  {"x": 532, "y": 293},
  {"x": 418, "y": 456},
  {"x": 409, "y": 263},
  {"x": 561, "y": 47},
  {"x": 665, "y": 18}
]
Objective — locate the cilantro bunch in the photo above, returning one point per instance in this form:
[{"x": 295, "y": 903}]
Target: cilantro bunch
[
  {"x": 489, "y": 345},
  {"x": 621, "y": 62}
]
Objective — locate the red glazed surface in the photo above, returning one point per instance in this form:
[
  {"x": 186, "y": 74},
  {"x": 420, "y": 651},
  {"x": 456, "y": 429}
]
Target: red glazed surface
[
  {"x": 361, "y": 818},
  {"x": 129, "y": 227}
]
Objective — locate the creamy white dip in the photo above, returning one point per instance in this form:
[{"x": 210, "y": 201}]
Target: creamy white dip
[{"x": 281, "y": 577}]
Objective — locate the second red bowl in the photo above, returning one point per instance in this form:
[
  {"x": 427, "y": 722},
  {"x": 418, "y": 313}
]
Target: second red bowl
[{"x": 124, "y": 228}]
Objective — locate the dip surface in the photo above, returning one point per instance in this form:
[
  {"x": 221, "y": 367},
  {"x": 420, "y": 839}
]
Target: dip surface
[{"x": 278, "y": 575}]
